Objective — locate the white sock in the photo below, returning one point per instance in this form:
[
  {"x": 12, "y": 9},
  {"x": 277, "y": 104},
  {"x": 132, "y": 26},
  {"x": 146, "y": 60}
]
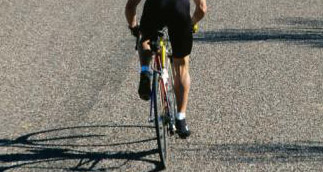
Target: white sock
[
  {"x": 144, "y": 68},
  {"x": 180, "y": 116}
]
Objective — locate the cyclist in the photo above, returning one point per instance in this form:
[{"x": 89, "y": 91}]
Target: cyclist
[{"x": 175, "y": 14}]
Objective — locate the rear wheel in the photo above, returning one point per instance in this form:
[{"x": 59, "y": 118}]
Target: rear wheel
[{"x": 159, "y": 112}]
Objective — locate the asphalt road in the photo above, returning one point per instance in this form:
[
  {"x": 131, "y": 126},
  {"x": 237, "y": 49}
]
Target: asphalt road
[{"x": 68, "y": 89}]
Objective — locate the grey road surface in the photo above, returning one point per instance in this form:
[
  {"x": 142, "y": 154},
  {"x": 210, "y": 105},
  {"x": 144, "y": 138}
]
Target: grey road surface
[{"x": 69, "y": 77}]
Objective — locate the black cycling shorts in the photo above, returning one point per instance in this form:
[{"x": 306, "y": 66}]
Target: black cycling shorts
[{"x": 175, "y": 14}]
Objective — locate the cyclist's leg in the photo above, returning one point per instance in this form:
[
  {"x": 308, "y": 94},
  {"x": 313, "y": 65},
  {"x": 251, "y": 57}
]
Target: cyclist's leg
[
  {"x": 145, "y": 53},
  {"x": 148, "y": 26},
  {"x": 182, "y": 82},
  {"x": 180, "y": 32}
]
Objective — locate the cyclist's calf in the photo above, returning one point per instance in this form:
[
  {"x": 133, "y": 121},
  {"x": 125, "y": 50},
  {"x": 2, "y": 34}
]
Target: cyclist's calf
[{"x": 182, "y": 82}]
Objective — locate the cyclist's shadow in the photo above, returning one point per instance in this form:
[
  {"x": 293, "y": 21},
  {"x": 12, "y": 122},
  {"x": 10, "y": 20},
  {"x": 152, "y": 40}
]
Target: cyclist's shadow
[{"x": 39, "y": 152}]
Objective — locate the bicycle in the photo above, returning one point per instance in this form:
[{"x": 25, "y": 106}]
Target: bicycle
[{"x": 163, "y": 106}]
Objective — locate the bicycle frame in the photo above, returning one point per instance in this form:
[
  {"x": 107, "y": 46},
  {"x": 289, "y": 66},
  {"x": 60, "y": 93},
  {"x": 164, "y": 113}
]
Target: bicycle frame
[{"x": 159, "y": 66}]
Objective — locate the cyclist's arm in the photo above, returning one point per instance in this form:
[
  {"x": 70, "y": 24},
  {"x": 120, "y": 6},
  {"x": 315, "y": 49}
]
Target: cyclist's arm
[
  {"x": 130, "y": 12},
  {"x": 200, "y": 11}
]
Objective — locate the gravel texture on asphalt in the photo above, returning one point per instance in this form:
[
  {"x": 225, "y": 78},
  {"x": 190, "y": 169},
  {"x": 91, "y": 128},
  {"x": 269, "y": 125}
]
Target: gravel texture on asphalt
[{"x": 69, "y": 76}]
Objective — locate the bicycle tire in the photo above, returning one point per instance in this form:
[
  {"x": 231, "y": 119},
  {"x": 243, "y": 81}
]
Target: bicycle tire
[{"x": 159, "y": 113}]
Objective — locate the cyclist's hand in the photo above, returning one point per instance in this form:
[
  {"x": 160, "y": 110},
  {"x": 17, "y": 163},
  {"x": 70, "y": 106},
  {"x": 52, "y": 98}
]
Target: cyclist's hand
[
  {"x": 135, "y": 31},
  {"x": 195, "y": 28}
]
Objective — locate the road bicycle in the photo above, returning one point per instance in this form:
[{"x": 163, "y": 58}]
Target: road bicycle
[{"x": 163, "y": 106}]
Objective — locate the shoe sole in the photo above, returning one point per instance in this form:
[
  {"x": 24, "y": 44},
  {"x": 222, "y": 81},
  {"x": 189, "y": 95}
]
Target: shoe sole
[
  {"x": 183, "y": 136},
  {"x": 144, "y": 89}
]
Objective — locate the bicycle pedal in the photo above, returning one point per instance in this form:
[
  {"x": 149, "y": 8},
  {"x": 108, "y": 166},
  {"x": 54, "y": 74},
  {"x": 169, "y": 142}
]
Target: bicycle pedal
[
  {"x": 172, "y": 133},
  {"x": 172, "y": 130},
  {"x": 151, "y": 120}
]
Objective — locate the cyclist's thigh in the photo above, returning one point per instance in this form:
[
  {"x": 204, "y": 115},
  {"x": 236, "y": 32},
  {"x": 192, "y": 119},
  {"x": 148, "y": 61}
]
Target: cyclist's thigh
[
  {"x": 151, "y": 20},
  {"x": 180, "y": 28}
]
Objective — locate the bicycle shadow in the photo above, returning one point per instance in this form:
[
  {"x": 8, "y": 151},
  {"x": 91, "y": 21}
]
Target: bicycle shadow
[
  {"x": 261, "y": 153},
  {"x": 301, "y": 31},
  {"x": 39, "y": 152}
]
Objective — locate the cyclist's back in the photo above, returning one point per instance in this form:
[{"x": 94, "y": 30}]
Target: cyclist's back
[{"x": 175, "y": 14}]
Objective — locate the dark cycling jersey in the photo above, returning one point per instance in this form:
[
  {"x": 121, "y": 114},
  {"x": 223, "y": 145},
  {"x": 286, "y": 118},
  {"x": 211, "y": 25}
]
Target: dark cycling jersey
[{"x": 175, "y": 14}]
